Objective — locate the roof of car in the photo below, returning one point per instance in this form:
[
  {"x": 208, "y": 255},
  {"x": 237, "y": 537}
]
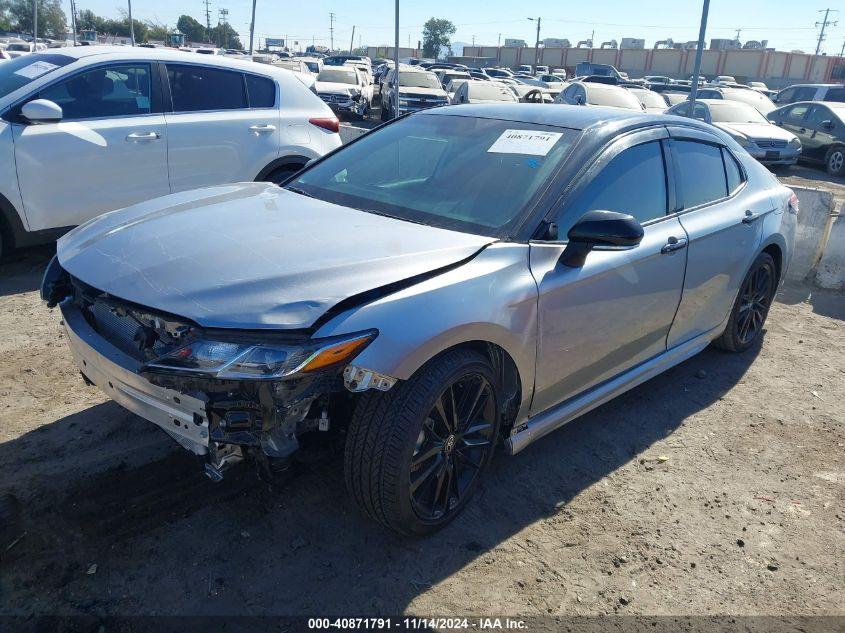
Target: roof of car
[{"x": 569, "y": 116}]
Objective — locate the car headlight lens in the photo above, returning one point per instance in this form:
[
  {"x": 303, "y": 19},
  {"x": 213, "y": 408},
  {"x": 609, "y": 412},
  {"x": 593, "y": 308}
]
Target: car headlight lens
[
  {"x": 795, "y": 143},
  {"x": 260, "y": 361}
]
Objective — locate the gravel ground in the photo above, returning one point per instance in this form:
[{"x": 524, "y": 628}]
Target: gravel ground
[{"x": 716, "y": 488}]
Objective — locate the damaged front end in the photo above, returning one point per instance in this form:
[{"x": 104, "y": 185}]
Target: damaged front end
[{"x": 223, "y": 394}]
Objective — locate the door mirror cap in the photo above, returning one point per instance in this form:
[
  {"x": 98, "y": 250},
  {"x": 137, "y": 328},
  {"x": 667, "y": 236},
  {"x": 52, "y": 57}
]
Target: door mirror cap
[
  {"x": 42, "y": 111},
  {"x": 608, "y": 229}
]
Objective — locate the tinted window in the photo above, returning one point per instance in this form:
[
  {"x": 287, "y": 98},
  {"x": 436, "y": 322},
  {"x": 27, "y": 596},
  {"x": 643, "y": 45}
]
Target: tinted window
[
  {"x": 121, "y": 90},
  {"x": 701, "y": 173},
  {"x": 804, "y": 94},
  {"x": 785, "y": 95},
  {"x": 634, "y": 182},
  {"x": 262, "y": 91},
  {"x": 817, "y": 115},
  {"x": 733, "y": 171},
  {"x": 835, "y": 94},
  {"x": 196, "y": 88}
]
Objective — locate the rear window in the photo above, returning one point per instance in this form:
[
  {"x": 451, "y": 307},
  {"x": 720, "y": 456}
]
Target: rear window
[
  {"x": 701, "y": 172},
  {"x": 17, "y": 73},
  {"x": 198, "y": 88},
  {"x": 262, "y": 91},
  {"x": 835, "y": 94}
]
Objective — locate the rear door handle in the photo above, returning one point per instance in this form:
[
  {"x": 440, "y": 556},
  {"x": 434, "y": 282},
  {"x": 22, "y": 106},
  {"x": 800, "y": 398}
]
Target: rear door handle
[
  {"x": 143, "y": 136},
  {"x": 260, "y": 129},
  {"x": 674, "y": 244}
]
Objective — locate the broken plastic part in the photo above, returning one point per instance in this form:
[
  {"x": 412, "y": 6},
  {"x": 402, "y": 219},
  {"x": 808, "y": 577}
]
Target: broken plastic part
[{"x": 358, "y": 379}]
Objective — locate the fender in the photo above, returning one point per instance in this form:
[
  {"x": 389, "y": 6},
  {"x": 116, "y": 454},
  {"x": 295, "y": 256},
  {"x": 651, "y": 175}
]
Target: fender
[
  {"x": 282, "y": 161},
  {"x": 14, "y": 232}
]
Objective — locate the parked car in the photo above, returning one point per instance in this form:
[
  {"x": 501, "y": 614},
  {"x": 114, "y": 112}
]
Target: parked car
[
  {"x": 768, "y": 143},
  {"x": 345, "y": 89},
  {"x": 725, "y": 79},
  {"x": 18, "y": 49},
  {"x": 460, "y": 278},
  {"x": 673, "y": 98},
  {"x": 299, "y": 68},
  {"x": 658, "y": 80},
  {"x": 89, "y": 129},
  {"x": 821, "y": 130},
  {"x": 314, "y": 64},
  {"x": 445, "y": 76},
  {"x": 598, "y": 94},
  {"x": 498, "y": 73},
  {"x": 650, "y": 101},
  {"x": 586, "y": 69},
  {"x": 811, "y": 92},
  {"x": 418, "y": 89},
  {"x": 541, "y": 70},
  {"x": 483, "y": 92},
  {"x": 754, "y": 98},
  {"x": 527, "y": 69}
]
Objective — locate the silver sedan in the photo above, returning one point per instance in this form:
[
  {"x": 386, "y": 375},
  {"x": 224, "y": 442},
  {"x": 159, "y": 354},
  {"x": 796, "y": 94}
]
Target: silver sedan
[{"x": 458, "y": 279}]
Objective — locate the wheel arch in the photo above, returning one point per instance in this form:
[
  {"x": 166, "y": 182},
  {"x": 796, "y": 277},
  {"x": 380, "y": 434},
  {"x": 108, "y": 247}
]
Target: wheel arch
[{"x": 298, "y": 160}]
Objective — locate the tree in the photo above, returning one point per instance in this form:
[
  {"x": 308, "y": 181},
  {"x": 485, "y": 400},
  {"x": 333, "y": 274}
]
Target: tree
[
  {"x": 156, "y": 30},
  {"x": 226, "y": 36},
  {"x": 437, "y": 35},
  {"x": 51, "y": 19},
  {"x": 193, "y": 30}
]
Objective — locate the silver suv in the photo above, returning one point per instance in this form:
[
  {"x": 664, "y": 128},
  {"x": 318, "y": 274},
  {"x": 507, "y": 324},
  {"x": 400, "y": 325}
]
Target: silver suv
[{"x": 460, "y": 279}]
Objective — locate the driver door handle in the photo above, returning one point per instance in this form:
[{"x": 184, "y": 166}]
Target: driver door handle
[
  {"x": 143, "y": 136},
  {"x": 674, "y": 244}
]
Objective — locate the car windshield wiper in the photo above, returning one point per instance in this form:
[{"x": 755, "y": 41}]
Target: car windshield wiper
[
  {"x": 301, "y": 192},
  {"x": 393, "y": 217}
]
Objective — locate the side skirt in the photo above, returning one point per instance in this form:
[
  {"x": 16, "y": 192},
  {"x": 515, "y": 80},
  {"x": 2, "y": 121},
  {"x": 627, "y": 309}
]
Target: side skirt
[{"x": 553, "y": 418}]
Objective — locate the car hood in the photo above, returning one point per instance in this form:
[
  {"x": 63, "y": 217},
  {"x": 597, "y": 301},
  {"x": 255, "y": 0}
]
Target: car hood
[
  {"x": 334, "y": 87},
  {"x": 424, "y": 92},
  {"x": 757, "y": 130},
  {"x": 252, "y": 255}
]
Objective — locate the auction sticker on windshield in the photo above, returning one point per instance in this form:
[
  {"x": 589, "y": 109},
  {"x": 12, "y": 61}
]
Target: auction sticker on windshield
[
  {"x": 35, "y": 70},
  {"x": 533, "y": 142}
]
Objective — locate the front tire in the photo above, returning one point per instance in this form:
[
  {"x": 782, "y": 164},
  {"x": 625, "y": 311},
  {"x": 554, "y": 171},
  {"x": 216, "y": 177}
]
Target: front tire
[
  {"x": 751, "y": 306},
  {"x": 415, "y": 455}
]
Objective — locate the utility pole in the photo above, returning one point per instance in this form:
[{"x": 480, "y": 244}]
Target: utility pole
[
  {"x": 331, "y": 30},
  {"x": 473, "y": 40},
  {"x": 537, "y": 45},
  {"x": 824, "y": 24},
  {"x": 738, "y": 31},
  {"x": 396, "y": 64},
  {"x": 352, "y": 41},
  {"x": 131, "y": 24},
  {"x": 34, "y": 25},
  {"x": 73, "y": 19},
  {"x": 207, "y": 4},
  {"x": 842, "y": 50},
  {"x": 696, "y": 71},
  {"x": 252, "y": 28},
  {"x": 223, "y": 20}
]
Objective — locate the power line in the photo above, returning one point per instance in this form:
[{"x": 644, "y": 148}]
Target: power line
[{"x": 824, "y": 24}]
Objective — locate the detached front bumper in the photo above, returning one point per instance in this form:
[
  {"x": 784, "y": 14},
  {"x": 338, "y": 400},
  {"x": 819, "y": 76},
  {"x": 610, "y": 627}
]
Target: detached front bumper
[{"x": 182, "y": 416}]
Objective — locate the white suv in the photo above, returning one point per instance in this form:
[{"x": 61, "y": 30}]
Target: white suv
[{"x": 90, "y": 129}]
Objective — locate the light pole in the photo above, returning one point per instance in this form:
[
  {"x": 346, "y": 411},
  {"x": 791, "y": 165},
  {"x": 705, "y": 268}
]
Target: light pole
[
  {"x": 252, "y": 28},
  {"x": 537, "y": 45},
  {"x": 73, "y": 19},
  {"x": 131, "y": 24},
  {"x": 396, "y": 63},
  {"x": 34, "y": 25},
  {"x": 697, "y": 68}
]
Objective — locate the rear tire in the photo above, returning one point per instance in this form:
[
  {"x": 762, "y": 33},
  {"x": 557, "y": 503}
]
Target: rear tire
[
  {"x": 835, "y": 161},
  {"x": 751, "y": 306},
  {"x": 413, "y": 460}
]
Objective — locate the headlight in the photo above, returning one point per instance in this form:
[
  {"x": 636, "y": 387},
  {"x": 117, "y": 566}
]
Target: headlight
[
  {"x": 795, "y": 143},
  {"x": 260, "y": 361}
]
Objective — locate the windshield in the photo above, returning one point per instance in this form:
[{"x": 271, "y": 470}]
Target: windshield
[
  {"x": 490, "y": 92},
  {"x": 18, "y": 47},
  {"x": 650, "y": 99},
  {"x": 338, "y": 76},
  {"x": 616, "y": 98},
  {"x": 18, "y": 72},
  {"x": 727, "y": 112},
  {"x": 418, "y": 80},
  {"x": 454, "y": 172},
  {"x": 314, "y": 67},
  {"x": 757, "y": 100}
]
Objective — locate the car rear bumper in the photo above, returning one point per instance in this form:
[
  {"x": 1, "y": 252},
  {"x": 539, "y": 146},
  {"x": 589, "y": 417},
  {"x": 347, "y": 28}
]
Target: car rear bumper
[{"x": 182, "y": 416}]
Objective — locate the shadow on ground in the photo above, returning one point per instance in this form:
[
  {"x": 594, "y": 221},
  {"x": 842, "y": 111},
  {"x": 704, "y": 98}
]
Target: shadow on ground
[
  {"x": 825, "y": 302},
  {"x": 21, "y": 270},
  {"x": 149, "y": 519}
]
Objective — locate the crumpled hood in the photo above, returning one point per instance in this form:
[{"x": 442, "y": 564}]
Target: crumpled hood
[
  {"x": 334, "y": 88},
  {"x": 252, "y": 255},
  {"x": 757, "y": 130}
]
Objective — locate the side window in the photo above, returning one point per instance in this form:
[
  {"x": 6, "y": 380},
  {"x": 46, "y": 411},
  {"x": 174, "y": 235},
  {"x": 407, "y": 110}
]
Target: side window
[
  {"x": 732, "y": 170},
  {"x": 817, "y": 115},
  {"x": 197, "y": 88},
  {"x": 699, "y": 112},
  {"x": 785, "y": 96},
  {"x": 701, "y": 173},
  {"x": 262, "y": 91},
  {"x": 796, "y": 113},
  {"x": 634, "y": 182},
  {"x": 111, "y": 91},
  {"x": 835, "y": 94},
  {"x": 682, "y": 109},
  {"x": 804, "y": 94}
]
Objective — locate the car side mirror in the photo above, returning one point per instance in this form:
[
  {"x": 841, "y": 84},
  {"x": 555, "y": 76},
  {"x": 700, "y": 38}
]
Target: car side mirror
[
  {"x": 827, "y": 124},
  {"x": 42, "y": 111},
  {"x": 600, "y": 229}
]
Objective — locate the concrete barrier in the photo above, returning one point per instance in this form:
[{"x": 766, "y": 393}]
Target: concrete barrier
[
  {"x": 349, "y": 132},
  {"x": 815, "y": 208},
  {"x": 831, "y": 269}
]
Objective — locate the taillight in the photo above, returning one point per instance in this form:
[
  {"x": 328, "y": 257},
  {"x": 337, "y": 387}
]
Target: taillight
[
  {"x": 793, "y": 202},
  {"x": 327, "y": 123}
]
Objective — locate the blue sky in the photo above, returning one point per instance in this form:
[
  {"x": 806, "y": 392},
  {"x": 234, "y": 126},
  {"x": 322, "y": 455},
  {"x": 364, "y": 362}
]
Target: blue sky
[{"x": 787, "y": 24}]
